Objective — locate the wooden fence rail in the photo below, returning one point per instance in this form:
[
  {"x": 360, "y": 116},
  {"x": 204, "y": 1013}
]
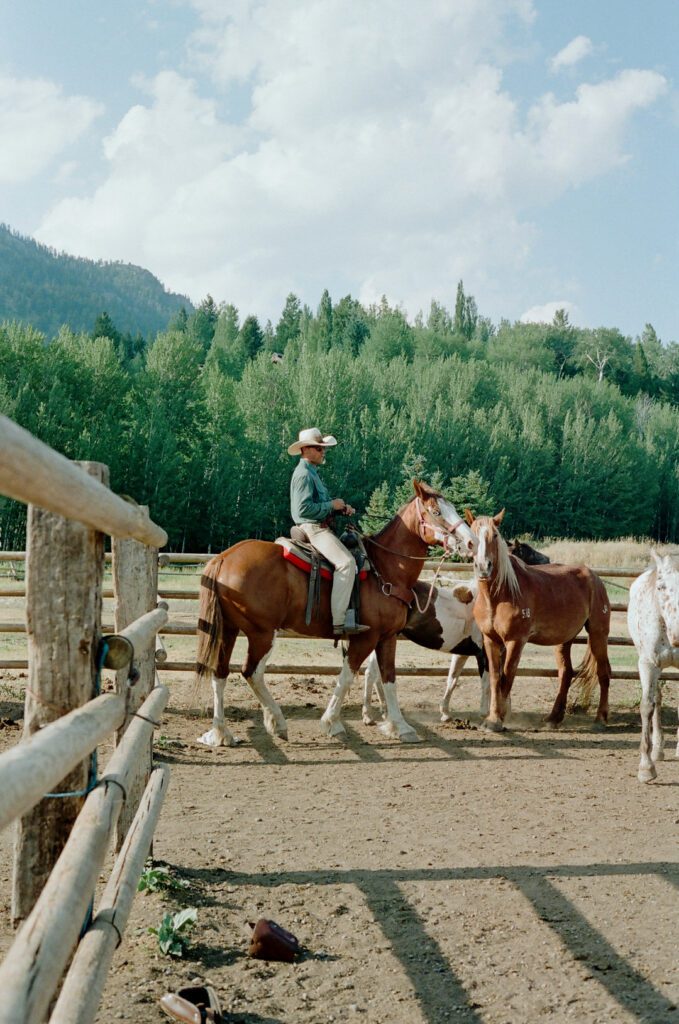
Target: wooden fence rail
[{"x": 164, "y": 663}]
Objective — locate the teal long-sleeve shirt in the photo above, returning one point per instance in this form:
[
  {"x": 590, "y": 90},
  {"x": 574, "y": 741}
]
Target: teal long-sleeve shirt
[{"x": 310, "y": 500}]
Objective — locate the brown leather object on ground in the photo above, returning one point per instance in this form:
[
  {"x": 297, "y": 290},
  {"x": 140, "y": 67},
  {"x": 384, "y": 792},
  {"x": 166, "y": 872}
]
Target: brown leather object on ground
[{"x": 271, "y": 942}]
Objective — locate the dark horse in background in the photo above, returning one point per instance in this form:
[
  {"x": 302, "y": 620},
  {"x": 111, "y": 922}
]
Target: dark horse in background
[
  {"x": 542, "y": 604},
  {"x": 252, "y": 588}
]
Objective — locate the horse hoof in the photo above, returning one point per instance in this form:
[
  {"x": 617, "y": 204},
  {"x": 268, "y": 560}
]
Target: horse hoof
[
  {"x": 331, "y": 728},
  {"x": 551, "y": 725},
  {"x": 389, "y": 730},
  {"x": 647, "y": 774},
  {"x": 599, "y": 725},
  {"x": 492, "y": 725},
  {"x": 445, "y": 717},
  {"x": 367, "y": 719},
  {"x": 409, "y": 736},
  {"x": 277, "y": 730},
  {"x": 212, "y": 738}
]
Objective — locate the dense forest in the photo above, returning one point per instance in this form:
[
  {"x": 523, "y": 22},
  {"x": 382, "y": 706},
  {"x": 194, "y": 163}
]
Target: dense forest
[
  {"x": 47, "y": 290},
  {"x": 575, "y": 432}
]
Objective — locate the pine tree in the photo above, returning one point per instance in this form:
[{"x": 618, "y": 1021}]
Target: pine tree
[
  {"x": 251, "y": 337},
  {"x": 325, "y": 335},
  {"x": 288, "y": 327},
  {"x": 378, "y": 511}
]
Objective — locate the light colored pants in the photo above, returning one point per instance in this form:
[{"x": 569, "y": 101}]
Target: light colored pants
[{"x": 330, "y": 546}]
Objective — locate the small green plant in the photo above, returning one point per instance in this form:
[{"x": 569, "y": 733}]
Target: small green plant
[
  {"x": 160, "y": 879},
  {"x": 173, "y": 931}
]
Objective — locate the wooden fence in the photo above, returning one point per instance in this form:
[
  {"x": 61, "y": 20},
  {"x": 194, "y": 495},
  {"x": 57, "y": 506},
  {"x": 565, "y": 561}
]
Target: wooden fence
[
  {"x": 166, "y": 559},
  {"x": 67, "y": 813}
]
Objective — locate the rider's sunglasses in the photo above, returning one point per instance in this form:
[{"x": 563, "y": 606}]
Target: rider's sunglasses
[{"x": 316, "y": 447}]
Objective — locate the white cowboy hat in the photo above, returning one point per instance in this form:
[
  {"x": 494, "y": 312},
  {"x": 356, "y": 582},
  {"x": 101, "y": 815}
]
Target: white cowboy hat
[{"x": 311, "y": 437}]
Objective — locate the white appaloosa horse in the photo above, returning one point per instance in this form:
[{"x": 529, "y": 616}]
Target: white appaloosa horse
[
  {"x": 446, "y": 624},
  {"x": 653, "y": 622}
]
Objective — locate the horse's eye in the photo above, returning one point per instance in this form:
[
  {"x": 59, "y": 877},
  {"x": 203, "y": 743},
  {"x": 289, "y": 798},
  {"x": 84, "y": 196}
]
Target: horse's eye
[{"x": 436, "y": 511}]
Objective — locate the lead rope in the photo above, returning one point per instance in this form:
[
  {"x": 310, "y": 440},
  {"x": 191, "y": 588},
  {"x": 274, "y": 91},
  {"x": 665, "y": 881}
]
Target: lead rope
[{"x": 431, "y": 589}]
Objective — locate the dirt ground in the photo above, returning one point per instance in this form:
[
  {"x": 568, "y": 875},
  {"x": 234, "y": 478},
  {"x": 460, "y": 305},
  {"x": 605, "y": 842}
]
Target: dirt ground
[{"x": 472, "y": 877}]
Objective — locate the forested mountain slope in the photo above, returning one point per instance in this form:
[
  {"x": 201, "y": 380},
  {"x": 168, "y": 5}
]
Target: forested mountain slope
[{"x": 47, "y": 290}]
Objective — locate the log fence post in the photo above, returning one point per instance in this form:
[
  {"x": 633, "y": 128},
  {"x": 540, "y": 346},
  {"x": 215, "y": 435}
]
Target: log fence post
[
  {"x": 64, "y": 573},
  {"x": 135, "y": 584}
]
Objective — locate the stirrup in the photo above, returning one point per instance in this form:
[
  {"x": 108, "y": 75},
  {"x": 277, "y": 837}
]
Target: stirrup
[{"x": 351, "y": 626}]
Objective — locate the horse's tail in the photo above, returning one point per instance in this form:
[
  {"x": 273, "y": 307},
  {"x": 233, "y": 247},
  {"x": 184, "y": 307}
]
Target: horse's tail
[
  {"x": 584, "y": 681},
  {"x": 210, "y": 622}
]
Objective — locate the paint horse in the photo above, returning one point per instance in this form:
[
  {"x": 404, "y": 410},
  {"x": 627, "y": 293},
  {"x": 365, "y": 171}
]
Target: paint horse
[
  {"x": 447, "y": 624},
  {"x": 653, "y": 622},
  {"x": 252, "y": 588},
  {"x": 543, "y": 604}
]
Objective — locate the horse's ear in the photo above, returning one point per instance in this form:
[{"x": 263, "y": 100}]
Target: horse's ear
[
  {"x": 656, "y": 557},
  {"x": 417, "y": 487},
  {"x": 499, "y": 517},
  {"x": 469, "y": 516}
]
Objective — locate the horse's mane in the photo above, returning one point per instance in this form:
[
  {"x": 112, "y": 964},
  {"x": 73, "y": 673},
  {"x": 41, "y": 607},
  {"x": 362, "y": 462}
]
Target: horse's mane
[
  {"x": 397, "y": 515},
  {"x": 505, "y": 570}
]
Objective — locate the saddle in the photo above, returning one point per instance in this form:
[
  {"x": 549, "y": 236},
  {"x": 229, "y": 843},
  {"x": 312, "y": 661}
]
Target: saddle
[{"x": 297, "y": 550}]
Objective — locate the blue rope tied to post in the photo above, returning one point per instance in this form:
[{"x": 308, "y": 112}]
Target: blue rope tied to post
[{"x": 102, "y": 651}]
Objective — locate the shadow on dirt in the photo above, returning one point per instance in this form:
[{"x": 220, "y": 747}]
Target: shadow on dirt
[{"x": 439, "y": 991}]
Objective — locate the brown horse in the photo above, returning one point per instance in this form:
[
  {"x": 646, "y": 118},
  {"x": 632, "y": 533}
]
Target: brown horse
[
  {"x": 543, "y": 604},
  {"x": 252, "y": 588}
]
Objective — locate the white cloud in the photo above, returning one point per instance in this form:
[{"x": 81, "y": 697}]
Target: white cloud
[
  {"x": 381, "y": 153},
  {"x": 573, "y": 53},
  {"x": 545, "y": 314},
  {"x": 572, "y": 142},
  {"x": 37, "y": 123}
]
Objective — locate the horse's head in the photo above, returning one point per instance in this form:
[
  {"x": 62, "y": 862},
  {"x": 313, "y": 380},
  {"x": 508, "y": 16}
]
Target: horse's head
[
  {"x": 667, "y": 588},
  {"x": 440, "y": 523},
  {"x": 491, "y": 552},
  {"x": 527, "y": 553}
]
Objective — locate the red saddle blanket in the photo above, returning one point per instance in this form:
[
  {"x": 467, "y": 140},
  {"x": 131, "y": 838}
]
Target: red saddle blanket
[{"x": 301, "y": 559}]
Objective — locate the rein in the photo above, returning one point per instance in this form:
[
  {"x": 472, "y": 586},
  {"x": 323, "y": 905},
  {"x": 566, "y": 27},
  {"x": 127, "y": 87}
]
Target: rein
[{"x": 431, "y": 589}]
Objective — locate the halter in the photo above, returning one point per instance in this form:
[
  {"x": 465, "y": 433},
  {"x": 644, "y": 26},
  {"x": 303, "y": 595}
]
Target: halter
[{"x": 422, "y": 524}]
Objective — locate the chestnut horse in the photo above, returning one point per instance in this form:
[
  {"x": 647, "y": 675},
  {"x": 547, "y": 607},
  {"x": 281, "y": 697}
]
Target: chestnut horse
[
  {"x": 543, "y": 604},
  {"x": 252, "y": 588}
]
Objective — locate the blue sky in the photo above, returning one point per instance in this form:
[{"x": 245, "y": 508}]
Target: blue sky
[{"x": 255, "y": 147}]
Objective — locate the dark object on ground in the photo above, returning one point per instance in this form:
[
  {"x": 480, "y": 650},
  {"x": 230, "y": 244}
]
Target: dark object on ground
[{"x": 271, "y": 942}]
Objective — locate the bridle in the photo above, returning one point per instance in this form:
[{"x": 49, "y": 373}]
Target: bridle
[{"x": 423, "y": 525}]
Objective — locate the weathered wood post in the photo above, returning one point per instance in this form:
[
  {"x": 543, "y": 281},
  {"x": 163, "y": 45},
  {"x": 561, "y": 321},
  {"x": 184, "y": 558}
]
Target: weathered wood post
[
  {"x": 135, "y": 582},
  {"x": 64, "y": 571}
]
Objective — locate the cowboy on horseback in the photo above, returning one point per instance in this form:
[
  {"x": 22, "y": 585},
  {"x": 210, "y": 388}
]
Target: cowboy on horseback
[{"x": 313, "y": 509}]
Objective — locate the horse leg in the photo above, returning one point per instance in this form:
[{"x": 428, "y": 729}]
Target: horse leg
[
  {"x": 648, "y": 674},
  {"x": 372, "y": 678},
  {"x": 219, "y": 735},
  {"x": 259, "y": 652},
  {"x": 331, "y": 723},
  {"x": 512, "y": 657},
  {"x": 493, "y": 652},
  {"x": 457, "y": 662},
  {"x": 394, "y": 725},
  {"x": 564, "y": 665},
  {"x": 599, "y": 647},
  {"x": 658, "y": 747}
]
